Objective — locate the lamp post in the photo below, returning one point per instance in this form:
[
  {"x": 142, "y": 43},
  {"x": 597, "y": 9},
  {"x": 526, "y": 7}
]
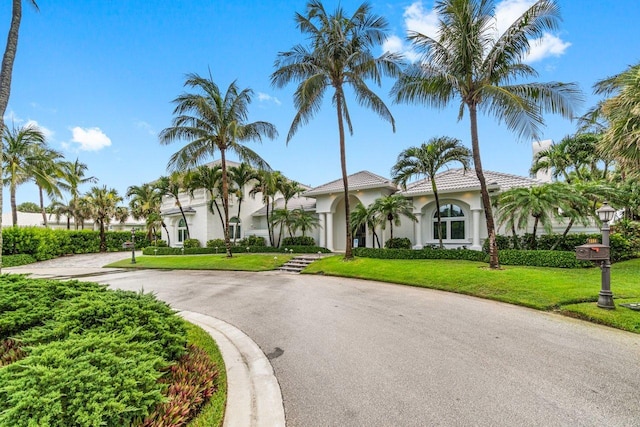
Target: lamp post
[
  {"x": 133, "y": 246},
  {"x": 605, "y": 298}
]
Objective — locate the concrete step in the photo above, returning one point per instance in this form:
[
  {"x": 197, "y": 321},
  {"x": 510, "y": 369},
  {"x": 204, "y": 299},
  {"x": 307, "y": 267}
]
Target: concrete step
[{"x": 299, "y": 263}]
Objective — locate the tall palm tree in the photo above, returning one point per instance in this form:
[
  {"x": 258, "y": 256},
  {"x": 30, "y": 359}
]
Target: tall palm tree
[
  {"x": 267, "y": 185},
  {"x": 469, "y": 61},
  {"x": 426, "y": 161},
  {"x": 172, "y": 186},
  {"x": 339, "y": 57},
  {"x": 145, "y": 201},
  {"x": 392, "y": 207},
  {"x": 45, "y": 172},
  {"x": 361, "y": 215},
  {"x": 103, "y": 203},
  {"x": 73, "y": 176},
  {"x": 20, "y": 155},
  {"x": 209, "y": 179},
  {"x": 241, "y": 176},
  {"x": 212, "y": 122},
  {"x": 621, "y": 110}
]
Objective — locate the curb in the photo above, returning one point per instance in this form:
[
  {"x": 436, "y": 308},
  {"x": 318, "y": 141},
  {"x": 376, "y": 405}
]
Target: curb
[{"x": 253, "y": 392}]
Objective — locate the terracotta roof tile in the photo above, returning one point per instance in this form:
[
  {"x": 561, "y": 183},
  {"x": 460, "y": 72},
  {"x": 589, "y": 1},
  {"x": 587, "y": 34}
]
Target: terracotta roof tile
[{"x": 358, "y": 181}]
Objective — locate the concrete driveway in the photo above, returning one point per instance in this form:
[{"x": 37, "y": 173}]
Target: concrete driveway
[{"x": 357, "y": 353}]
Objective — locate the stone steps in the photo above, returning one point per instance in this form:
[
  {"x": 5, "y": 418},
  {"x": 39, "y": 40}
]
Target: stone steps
[{"x": 299, "y": 263}]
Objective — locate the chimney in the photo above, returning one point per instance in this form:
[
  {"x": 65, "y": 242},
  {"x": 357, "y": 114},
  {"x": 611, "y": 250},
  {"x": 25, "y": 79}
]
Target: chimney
[{"x": 542, "y": 175}]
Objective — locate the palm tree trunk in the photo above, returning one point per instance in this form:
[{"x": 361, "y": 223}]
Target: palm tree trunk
[
  {"x": 103, "y": 240},
  {"x": 225, "y": 202},
  {"x": 348, "y": 251},
  {"x": 14, "y": 208},
  {"x": 435, "y": 194},
  {"x": 564, "y": 235},
  {"x": 535, "y": 231},
  {"x": 238, "y": 217},
  {"x": 184, "y": 217},
  {"x": 391, "y": 228},
  {"x": 494, "y": 261},
  {"x": 44, "y": 212}
]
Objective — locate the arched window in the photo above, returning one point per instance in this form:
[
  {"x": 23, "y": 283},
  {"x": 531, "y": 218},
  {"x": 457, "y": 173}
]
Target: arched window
[
  {"x": 182, "y": 231},
  {"x": 234, "y": 228},
  {"x": 453, "y": 222}
]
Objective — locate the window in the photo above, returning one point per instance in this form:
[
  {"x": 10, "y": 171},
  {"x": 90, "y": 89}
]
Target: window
[
  {"x": 234, "y": 228},
  {"x": 182, "y": 231},
  {"x": 453, "y": 221}
]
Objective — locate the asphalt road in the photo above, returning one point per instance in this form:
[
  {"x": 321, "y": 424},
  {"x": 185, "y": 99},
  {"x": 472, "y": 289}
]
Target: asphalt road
[{"x": 357, "y": 353}]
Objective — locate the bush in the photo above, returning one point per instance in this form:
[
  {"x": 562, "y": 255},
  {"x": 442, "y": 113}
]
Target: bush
[
  {"x": 398, "y": 243},
  {"x": 542, "y": 258},
  {"x": 159, "y": 243},
  {"x": 16, "y": 260},
  {"x": 252, "y": 241},
  {"x": 298, "y": 241},
  {"x": 235, "y": 250},
  {"x": 191, "y": 243},
  {"x": 216, "y": 243},
  {"x": 426, "y": 253}
]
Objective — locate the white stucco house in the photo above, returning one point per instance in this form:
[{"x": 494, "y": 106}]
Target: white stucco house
[{"x": 461, "y": 208}]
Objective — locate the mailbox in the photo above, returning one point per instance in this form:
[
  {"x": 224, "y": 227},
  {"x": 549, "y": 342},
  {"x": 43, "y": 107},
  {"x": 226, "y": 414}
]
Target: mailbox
[{"x": 592, "y": 252}]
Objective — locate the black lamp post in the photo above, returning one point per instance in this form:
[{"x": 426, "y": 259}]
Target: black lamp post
[
  {"x": 133, "y": 246},
  {"x": 605, "y": 298}
]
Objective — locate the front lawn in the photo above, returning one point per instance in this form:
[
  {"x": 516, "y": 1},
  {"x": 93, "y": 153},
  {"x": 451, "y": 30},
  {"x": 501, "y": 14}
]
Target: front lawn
[
  {"x": 239, "y": 262},
  {"x": 566, "y": 290}
]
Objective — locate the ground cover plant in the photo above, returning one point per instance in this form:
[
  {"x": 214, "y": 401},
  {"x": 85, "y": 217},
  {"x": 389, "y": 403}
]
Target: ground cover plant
[
  {"x": 573, "y": 291},
  {"x": 239, "y": 262},
  {"x": 75, "y": 353}
]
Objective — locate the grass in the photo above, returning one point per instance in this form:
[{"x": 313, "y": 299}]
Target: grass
[
  {"x": 212, "y": 414},
  {"x": 570, "y": 291},
  {"x": 239, "y": 262}
]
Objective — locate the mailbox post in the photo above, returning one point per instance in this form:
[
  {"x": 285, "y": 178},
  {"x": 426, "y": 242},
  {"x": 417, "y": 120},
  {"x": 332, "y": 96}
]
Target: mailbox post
[
  {"x": 133, "y": 246},
  {"x": 605, "y": 298}
]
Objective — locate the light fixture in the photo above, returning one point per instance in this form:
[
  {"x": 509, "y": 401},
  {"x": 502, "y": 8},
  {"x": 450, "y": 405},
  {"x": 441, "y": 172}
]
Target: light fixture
[{"x": 605, "y": 213}]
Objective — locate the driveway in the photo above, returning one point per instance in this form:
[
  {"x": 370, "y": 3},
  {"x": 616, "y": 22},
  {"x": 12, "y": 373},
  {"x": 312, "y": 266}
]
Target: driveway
[{"x": 361, "y": 353}]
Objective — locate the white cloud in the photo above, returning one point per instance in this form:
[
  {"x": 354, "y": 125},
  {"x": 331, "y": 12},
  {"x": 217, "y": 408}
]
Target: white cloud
[
  {"x": 507, "y": 11},
  {"x": 88, "y": 139},
  {"x": 141, "y": 124},
  {"x": 263, "y": 97},
  {"x": 546, "y": 46},
  {"x": 421, "y": 20},
  {"x": 395, "y": 44},
  {"x": 48, "y": 133},
  {"x": 12, "y": 117}
]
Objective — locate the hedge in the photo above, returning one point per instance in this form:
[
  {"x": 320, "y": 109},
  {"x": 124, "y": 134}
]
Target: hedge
[
  {"x": 298, "y": 241},
  {"x": 234, "y": 249},
  {"x": 16, "y": 260},
  {"x": 426, "y": 253},
  {"x": 542, "y": 258}
]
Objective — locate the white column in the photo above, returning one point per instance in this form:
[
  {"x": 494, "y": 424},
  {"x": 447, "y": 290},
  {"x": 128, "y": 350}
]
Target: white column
[
  {"x": 329, "y": 231},
  {"x": 417, "y": 227},
  {"x": 323, "y": 230},
  {"x": 475, "y": 243}
]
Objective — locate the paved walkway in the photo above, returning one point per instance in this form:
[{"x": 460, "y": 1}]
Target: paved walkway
[{"x": 361, "y": 353}]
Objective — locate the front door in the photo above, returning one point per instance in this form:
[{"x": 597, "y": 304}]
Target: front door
[{"x": 360, "y": 237}]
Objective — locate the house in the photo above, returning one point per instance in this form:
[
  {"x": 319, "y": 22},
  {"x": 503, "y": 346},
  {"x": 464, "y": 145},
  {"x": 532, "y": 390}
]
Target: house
[
  {"x": 461, "y": 208},
  {"x": 33, "y": 219}
]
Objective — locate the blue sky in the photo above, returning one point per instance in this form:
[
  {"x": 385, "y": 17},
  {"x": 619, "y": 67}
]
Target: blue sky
[{"x": 99, "y": 78}]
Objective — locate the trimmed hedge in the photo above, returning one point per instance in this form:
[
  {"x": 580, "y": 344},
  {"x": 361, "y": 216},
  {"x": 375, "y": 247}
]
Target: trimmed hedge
[
  {"x": 426, "y": 253},
  {"x": 234, "y": 249},
  {"x": 298, "y": 241},
  {"x": 542, "y": 258},
  {"x": 16, "y": 260},
  {"x": 398, "y": 243}
]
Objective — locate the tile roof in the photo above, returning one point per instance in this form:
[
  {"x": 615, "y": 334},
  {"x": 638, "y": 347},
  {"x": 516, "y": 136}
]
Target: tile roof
[
  {"x": 358, "y": 181},
  {"x": 176, "y": 211},
  {"x": 457, "y": 180},
  {"x": 296, "y": 203}
]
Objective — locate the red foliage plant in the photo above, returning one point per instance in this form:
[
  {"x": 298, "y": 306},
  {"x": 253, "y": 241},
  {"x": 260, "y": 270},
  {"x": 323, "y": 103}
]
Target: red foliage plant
[{"x": 10, "y": 351}]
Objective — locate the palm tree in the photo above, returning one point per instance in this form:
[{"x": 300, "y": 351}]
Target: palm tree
[
  {"x": 361, "y": 215},
  {"x": 392, "y": 207},
  {"x": 72, "y": 177},
  {"x": 426, "y": 161},
  {"x": 58, "y": 208},
  {"x": 173, "y": 186},
  {"x": 340, "y": 57},
  {"x": 209, "y": 179},
  {"x": 241, "y": 176},
  {"x": 267, "y": 184},
  {"x": 303, "y": 220},
  {"x": 103, "y": 203},
  {"x": 45, "y": 171},
  {"x": 212, "y": 122},
  {"x": 281, "y": 218},
  {"x": 468, "y": 60},
  {"x": 121, "y": 214},
  {"x": 622, "y": 137},
  {"x": 145, "y": 201},
  {"x": 20, "y": 155}
]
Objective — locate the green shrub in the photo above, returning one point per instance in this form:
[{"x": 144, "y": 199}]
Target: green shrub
[
  {"x": 159, "y": 243},
  {"x": 234, "y": 249},
  {"x": 298, "y": 241},
  {"x": 398, "y": 243},
  {"x": 16, "y": 260},
  {"x": 191, "y": 243},
  {"x": 426, "y": 253},
  {"x": 252, "y": 241},
  {"x": 216, "y": 243},
  {"x": 542, "y": 258}
]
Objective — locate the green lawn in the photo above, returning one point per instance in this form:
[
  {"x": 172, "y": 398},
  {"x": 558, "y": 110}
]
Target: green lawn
[
  {"x": 239, "y": 262},
  {"x": 571, "y": 291}
]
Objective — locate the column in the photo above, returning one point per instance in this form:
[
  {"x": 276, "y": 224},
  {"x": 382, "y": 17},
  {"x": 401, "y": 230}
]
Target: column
[
  {"x": 475, "y": 243},
  {"x": 323, "y": 230},
  {"x": 417, "y": 233},
  {"x": 329, "y": 231}
]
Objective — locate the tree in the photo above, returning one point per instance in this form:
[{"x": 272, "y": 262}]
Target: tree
[
  {"x": 241, "y": 176},
  {"x": 121, "y": 214},
  {"x": 212, "y": 122},
  {"x": 426, "y": 161},
  {"x": 361, "y": 215},
  {"x": 621, "y": 110},
  {"x": 469, "y": 61},
  {"x": 303, "y": 220},
  {"x": 20, "y": 155},
  {"x": 28, "y": 207},
  {"x": 339, "y": 57},
  {"x": 209, "y": 179},
  {"x": 103, "y": 203},
  {"x": 281, "y": 218},
  {"x": 172, "y": 186},
  {"x": 267, "y": 184},
  {"x": 72, "y": 177},
  {"x": 145, "y": 201},
  {"x": 392, "y": 207},
  {"x": 45, "y": 170}
]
